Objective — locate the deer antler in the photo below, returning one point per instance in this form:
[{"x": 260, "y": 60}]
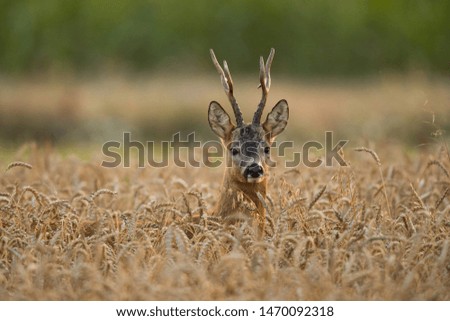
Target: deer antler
[
  {"x": 227, "y": 84},
  {"x": 264, "y": 78}
]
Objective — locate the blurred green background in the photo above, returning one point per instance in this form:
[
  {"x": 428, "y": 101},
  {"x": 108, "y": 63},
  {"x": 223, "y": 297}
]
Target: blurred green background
[
  {"x": 350, "y": 37},
  {"x": 87, "y": 70}
]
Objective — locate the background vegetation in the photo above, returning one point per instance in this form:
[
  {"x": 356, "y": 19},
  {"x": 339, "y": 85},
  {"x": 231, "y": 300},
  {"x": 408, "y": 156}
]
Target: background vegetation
[
  {"x": 83, "y": 71},
  {"x": 350, "y": 37}
]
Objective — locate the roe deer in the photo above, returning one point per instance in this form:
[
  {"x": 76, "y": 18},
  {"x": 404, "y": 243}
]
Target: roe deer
[{"x": 247, "y": 148}]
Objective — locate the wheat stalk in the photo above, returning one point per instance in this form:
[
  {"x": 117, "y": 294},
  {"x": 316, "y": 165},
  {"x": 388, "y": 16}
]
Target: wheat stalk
[
  {"x": 18, "y": 164},
  {"x": 377, "y": 160},
  {"x": 317, "y": 197},
  {"x": 440, "y": 165},
  {"x": 441, "y": 199},
  {"x": 419, "y": 200},
  {"x": 371, "y": 152}
]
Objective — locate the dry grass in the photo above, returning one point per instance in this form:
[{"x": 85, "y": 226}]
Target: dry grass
[{"x": 72, "y": 230}]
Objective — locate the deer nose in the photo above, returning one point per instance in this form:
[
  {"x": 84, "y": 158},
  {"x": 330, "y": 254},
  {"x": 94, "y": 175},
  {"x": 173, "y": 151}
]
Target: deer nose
[{"x": 254, "y": 170}]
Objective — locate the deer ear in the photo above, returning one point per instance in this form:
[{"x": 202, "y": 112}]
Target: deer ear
[
  {"x": 219, "y": 120},
  {"x": 277, "y": 119}
]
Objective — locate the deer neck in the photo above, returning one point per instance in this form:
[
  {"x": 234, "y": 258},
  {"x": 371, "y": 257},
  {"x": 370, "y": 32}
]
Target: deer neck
[
  {"x": 249, "y": 189},
  {"x": 235, "y": 192}
]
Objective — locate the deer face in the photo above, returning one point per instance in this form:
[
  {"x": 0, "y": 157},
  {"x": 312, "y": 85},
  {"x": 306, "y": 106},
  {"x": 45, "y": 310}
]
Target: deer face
[
  {"x": 248, "y": 152},
  {"x": 248, "y": 146}
]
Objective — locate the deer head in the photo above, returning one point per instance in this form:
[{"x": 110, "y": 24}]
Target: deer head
[{"x": 247, "y": 145}]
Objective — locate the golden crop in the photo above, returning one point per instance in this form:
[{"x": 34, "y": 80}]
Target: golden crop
[{"x": 374, "y": 230}]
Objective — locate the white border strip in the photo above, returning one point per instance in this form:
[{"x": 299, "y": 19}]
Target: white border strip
[{"x": 207, "y": 310}]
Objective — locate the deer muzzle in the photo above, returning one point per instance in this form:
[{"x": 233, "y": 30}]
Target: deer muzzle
[{"x": 254, "y": 172}]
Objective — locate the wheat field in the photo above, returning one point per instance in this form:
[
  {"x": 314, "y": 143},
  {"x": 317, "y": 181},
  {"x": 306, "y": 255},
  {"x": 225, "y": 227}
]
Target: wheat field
[{"x": 377, "y": 229}]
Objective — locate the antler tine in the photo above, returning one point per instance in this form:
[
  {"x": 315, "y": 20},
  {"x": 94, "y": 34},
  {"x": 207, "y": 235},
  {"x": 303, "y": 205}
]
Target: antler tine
[
  {"x": 220, "y": 71},
  {"x": 228, "y": 75},
  {"x": 265, "y": 82},
  {"x": 268, "y": 65},
  {"x": 227, "y": 83}
]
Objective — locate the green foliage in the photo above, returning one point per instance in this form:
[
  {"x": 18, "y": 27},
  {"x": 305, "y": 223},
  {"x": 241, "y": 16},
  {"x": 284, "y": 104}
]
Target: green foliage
[{"x": 324, "y": 37}]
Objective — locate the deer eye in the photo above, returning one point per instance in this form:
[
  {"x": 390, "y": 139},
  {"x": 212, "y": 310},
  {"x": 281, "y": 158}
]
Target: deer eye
[
  {"x": 267, "y": 150},
  {"x": 234, "y": 151}
]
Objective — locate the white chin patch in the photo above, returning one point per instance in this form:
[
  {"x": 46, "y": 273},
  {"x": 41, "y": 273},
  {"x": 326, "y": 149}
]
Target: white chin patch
[{"x": 255, "y": 179}]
